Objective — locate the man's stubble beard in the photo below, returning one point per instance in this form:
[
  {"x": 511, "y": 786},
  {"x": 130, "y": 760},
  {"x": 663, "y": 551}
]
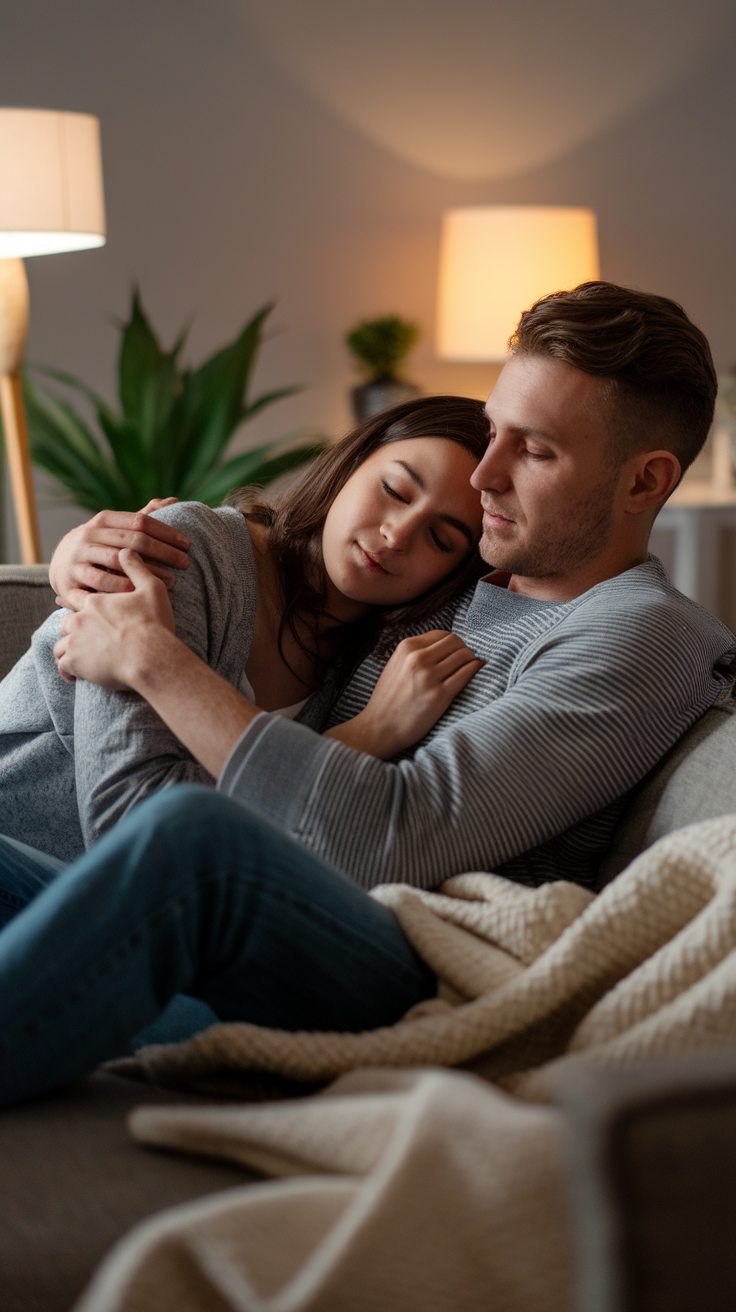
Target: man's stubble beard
[{"x": 559, "y": 551}]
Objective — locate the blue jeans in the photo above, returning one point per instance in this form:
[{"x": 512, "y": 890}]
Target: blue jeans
[{"x": 194, "y": 894}]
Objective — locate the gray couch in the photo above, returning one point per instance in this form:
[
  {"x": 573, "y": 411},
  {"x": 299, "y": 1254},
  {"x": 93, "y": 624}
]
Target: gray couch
[{"x": 71, "y": 1182}]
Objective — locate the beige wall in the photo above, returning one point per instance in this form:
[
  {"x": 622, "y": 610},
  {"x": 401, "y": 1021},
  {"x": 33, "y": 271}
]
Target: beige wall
[{"x": 229, "y": 184}]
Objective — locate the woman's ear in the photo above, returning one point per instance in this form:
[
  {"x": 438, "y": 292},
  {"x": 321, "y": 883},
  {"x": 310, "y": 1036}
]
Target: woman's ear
[{"x": 653, "y": 476}]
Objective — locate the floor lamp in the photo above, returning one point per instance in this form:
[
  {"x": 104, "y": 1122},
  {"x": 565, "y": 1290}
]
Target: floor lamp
[{"x": 51, "y": 199}]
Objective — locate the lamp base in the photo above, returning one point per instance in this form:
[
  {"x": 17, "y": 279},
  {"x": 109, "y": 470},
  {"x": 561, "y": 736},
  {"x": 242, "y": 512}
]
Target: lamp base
[
  {"x": 13, "y": 314},
  {"x": 13, "y": 333},
  {"x": 19, "y": 463}
]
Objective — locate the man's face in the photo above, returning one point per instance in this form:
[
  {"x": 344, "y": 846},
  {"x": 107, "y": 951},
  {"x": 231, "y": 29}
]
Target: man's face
[{"x": 547, "y": 482}]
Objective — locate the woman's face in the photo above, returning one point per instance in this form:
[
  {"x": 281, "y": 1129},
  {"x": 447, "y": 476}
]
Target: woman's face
[{"x": 404, "y": 521}]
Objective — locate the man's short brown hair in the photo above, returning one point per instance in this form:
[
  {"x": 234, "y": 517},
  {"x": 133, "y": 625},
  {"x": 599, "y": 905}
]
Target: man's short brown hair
[{"x": 662, "y": 379}]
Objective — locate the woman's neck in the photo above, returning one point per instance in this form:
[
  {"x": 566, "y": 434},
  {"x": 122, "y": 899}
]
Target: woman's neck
[{"x": 280, "y": 669}]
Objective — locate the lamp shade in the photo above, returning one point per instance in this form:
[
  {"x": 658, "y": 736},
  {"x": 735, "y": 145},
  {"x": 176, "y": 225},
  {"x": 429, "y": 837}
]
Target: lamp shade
[
  {"x": 497, "y": 260},
  {"x": 51, "y": 196}
]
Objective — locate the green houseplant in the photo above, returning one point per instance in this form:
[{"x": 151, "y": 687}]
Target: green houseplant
[
  {"x": 379, "y": 346},
  {"x": 173, "y": 425}
]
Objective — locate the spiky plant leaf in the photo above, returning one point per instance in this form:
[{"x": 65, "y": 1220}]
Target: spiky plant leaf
[
  {"x": 148, "y": 377},
  {"x": 170, "y": 435},
  {"x": 252, "y": 468}
]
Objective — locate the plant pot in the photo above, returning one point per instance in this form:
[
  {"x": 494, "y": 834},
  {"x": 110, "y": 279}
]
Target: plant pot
[{"x": 380, "y": 394}]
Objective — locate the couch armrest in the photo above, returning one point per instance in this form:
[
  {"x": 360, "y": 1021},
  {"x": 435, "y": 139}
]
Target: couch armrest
[
  {"x": 652, "y": 1154},
  {"x": 26, "y": 599}
]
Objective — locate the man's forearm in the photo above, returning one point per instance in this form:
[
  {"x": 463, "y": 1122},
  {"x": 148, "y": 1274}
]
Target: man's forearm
[{"x": 207, "y": 714}]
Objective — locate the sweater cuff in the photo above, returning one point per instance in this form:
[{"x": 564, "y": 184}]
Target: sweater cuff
[{"x": 273, "y": 768}]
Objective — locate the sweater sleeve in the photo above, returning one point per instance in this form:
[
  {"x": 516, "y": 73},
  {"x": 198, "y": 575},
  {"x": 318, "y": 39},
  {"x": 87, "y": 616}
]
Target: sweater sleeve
[
  {"x": 123, "y": 751},
  {"x": 589, "y": 709}
]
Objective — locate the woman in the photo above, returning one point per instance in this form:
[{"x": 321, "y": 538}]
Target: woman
[{"x": 379, "y": 534}]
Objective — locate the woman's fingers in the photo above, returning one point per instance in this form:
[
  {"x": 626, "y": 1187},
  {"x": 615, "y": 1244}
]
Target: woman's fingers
[
  {"x": 461, "y": 677},
  {"x": 440, "y": 659},
  {"x": 457, "y": 660}
]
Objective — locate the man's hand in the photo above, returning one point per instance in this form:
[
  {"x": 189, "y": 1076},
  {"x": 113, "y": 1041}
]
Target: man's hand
[
  {"x": 87, "y": 560},
  {"x": 416, "y": 686},
  {"x": 113, "y": 639},
  {"x": 129, "y": 642}
]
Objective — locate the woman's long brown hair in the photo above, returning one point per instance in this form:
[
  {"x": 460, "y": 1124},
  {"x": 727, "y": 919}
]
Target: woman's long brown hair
[{"x": 296, "y": 519}]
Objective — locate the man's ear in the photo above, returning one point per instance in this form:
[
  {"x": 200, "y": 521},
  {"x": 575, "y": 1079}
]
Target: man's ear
[{"x": 652, "y": 476}]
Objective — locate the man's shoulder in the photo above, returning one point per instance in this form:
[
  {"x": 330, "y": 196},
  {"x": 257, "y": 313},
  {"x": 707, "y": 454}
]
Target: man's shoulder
[
  {"x": 643, "y": 589},
  {"x": 642, "y": 606}
]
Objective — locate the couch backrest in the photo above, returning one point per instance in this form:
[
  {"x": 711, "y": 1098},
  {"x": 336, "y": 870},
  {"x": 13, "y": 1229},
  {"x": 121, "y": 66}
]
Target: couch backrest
[
  {"x": 26, "y": 598},
  {"x": 696, "y": 780}
]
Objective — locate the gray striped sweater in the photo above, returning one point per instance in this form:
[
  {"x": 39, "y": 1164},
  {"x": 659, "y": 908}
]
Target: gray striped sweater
[{"x": 528, "y": 771}]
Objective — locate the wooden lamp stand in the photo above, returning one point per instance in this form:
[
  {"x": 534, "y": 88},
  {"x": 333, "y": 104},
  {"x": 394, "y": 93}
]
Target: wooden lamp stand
[{"x": 13, "y": 333}]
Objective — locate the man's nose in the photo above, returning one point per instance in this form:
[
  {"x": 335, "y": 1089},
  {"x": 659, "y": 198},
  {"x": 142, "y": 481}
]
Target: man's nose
[{"x": 492, "y": 473}]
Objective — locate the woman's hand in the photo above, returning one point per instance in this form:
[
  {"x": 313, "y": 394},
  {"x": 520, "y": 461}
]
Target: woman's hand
[
  {"x": 418, "y": 683},
  {"x": 113, "y": 638},
  {"x": 87, "y": 560}
]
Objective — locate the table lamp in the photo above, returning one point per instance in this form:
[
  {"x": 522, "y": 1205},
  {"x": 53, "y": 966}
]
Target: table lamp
[
  {"x": 51, "y": 199},
  {"x": 497, "y": 260}
]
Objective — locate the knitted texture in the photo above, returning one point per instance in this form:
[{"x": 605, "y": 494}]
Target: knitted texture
[{"x": 529, "y": 979}]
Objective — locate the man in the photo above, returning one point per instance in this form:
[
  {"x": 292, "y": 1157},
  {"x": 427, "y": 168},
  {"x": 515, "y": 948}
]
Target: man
[{"x": 595, "y": 666}]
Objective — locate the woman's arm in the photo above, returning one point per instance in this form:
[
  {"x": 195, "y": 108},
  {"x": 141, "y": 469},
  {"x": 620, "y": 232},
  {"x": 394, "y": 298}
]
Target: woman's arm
[
  {"x": 123, "y": 751},
  {"x": 423, "y": 676}
]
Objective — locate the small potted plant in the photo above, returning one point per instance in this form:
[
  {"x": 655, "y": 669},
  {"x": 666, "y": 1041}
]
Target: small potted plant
[{"x": 379, "y": 346}]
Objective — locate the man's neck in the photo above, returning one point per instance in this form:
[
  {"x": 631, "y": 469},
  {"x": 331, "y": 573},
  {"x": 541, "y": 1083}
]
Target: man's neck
[{"x": 573, "y": 584}]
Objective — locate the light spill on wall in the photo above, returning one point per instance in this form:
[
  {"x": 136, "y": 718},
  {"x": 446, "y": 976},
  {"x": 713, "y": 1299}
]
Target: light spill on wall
[{"x": 483, "y": 89}]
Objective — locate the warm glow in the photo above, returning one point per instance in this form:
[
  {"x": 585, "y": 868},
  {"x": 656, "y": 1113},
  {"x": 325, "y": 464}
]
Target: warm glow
[
  {"x": 495, "y": 261},
  {"x": 51, "y": 195}
]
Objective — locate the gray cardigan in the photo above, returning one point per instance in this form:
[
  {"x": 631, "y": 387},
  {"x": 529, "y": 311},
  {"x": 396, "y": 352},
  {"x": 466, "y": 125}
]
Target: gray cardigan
[
  {"x": 74, "y": 757},
  {"x": 528, "y": 771}
]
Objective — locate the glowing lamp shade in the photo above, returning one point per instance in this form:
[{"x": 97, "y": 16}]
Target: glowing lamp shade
[
  {"x": 51, "y": 196},
  {"x": 495, "y": 261}
]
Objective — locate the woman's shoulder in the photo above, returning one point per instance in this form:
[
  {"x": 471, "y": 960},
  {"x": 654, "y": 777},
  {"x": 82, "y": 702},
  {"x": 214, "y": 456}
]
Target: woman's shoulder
[
  {"x": 203, "y": 524},
  {"x": 218, "y": 539},
  {"x": 217, "y": 592}
]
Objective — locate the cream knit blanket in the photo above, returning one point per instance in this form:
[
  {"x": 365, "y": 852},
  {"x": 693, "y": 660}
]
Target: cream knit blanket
[
  {"x": 416, "y": 1190},
  {"x": 529, "y": 979}
]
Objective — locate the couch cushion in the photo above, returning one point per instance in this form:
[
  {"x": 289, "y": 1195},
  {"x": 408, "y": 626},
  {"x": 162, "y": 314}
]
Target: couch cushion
[
  {"x": 25, "y": 600},
  {"x": 72, "y": 1181},
  {"x": 696, "y": 780}
]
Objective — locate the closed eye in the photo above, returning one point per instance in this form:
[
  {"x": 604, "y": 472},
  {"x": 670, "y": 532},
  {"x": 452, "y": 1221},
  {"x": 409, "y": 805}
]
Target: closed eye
[
  {"x": 438, "y": 541},
  {"x": 393, "y": 493}
]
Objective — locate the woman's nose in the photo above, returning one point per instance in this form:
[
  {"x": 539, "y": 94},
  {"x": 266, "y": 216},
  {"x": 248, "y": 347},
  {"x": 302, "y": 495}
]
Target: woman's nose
[{"x": 396, "y": 531}]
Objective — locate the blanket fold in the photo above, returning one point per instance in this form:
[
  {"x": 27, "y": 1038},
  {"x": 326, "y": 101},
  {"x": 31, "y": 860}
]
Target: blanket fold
[
  {"x": 424, "y": 1190},
  {"x": 430, "y": 1190},
  {"x": 528, "y": 978}
]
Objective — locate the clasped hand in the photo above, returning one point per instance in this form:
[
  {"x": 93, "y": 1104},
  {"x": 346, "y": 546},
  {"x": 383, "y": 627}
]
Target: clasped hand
[
  {"x": 110, "y": 639},
  {"x": 423, "y": 676}
]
